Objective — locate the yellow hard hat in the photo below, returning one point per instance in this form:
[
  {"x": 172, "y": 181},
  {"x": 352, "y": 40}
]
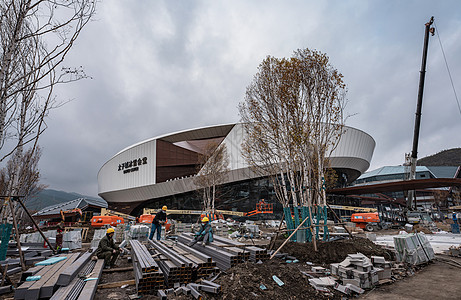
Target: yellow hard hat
[
  {"x": 164, "y": 207},
  {"x": 205, "y": 219},
  {"x": 110, "y": 230}
]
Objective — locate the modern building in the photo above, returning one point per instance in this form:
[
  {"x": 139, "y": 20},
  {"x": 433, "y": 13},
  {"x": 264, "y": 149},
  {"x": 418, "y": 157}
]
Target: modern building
[{"x": 161, "y": 170}]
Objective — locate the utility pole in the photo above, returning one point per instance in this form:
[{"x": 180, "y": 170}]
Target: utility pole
[{"x": 411, "y": 203}]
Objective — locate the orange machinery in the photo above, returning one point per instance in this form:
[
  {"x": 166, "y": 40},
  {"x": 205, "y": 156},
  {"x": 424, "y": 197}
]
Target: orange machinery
[
  {"x": 261, "y": 208},
  {"x": 367, "y": 221},
  {"x": 100, "y": 221},
  {"x": 148, "y": 218}
]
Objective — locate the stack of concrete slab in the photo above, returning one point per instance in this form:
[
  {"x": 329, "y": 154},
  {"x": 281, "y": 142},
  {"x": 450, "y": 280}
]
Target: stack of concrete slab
[
  {"x": 98, "y": 235},
  {"x": 36, "y": 237},
  {"x": 72, "y": 239},
  {"x": 357, "y": 270},
  {"x": 413, "y": 248},
  {"x": 138, "y": 232}
]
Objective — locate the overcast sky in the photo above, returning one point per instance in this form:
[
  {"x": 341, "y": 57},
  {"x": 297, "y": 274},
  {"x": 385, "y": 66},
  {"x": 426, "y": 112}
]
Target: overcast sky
[{"x": 163, "y": 66}]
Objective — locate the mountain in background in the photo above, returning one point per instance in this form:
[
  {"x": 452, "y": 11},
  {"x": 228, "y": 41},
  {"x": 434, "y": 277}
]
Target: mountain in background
[
  {"x": 49, "y": 197},
  {"x": 450, "y": 157}
]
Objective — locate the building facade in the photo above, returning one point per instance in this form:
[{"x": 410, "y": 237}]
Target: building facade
[{"x": 161, "y": 170}]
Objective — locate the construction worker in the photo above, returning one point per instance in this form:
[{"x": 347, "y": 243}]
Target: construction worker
[
  {"x": 157, "y": 223},
  {"x": 205, "y": 234},
  {"x": 107, "y": 249}
]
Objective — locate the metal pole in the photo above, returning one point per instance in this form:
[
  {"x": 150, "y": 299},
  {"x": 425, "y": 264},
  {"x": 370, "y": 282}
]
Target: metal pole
[
  {"x": 36, "y": 225},
  {"x": 422, "y": 75}
]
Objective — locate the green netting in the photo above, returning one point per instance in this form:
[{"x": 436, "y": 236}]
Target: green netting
[
  {"x": 326, "y": 233},
  {"x": 305, "y": 214},
  {"x": 5, "y": 232},
  {"x": 289, "y": 222}
]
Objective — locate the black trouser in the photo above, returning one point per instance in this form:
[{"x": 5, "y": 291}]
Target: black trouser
[{"x": 109, "y": 257}]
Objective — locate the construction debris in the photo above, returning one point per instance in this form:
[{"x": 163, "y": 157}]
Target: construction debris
[
  {"x": 357, "y": 270},
  {"x": 454, "y": 251}
]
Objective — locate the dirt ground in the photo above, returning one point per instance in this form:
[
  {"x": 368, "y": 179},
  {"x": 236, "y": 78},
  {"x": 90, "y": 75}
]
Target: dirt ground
[{"x": 438, "y": 280}]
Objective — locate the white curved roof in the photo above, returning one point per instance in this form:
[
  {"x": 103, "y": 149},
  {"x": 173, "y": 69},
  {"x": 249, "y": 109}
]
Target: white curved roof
[{"x": 354, "y": 151}]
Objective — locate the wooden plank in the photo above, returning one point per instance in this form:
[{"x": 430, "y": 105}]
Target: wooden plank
[
  {"x": 50, "y": 286},
  {"x": 91, "y": 286},
  {"x": 116, "y": 284},
  {"x": 118, "y": 270}
]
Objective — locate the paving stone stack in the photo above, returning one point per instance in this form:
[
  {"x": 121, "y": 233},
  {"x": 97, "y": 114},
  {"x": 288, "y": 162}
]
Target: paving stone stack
[
  {"x": 359, "y": 271},
  {"x": 383, "y": 267},
  {"x": 413, "y": 248}
]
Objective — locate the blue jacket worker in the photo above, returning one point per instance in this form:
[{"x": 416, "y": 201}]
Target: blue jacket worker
[
  {"x": 205, "y": 234},
  {"x": 157, "y": 223}
]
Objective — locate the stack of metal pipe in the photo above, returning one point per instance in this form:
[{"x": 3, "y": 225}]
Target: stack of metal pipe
[
  {"x": 203, "y": 264},
  {"x": 176, "y": 268},
  {"x": 148, "y": 276},
  {"x": 256, "y": 253},
  {"x": 224, "y": 259}
]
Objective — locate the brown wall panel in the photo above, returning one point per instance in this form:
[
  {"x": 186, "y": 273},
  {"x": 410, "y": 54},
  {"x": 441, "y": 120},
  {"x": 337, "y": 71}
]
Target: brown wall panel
[{"x": 174, "y": 161}]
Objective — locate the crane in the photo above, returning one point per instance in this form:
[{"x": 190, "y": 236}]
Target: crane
[{"x": 422, "y": 75}]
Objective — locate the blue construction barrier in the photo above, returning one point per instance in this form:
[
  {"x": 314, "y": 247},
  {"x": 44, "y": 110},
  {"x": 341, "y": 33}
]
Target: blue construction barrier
[{"x": 5, "y": 232}]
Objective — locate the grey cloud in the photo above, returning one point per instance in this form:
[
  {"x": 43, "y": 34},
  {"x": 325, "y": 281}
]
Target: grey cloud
[{"x": 163, "y": 66}]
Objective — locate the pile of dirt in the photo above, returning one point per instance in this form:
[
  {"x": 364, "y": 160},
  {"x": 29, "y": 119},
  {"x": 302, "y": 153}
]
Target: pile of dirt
[
  {"x": 243, "y": 282},
  {"x": 332, "y": 252}
]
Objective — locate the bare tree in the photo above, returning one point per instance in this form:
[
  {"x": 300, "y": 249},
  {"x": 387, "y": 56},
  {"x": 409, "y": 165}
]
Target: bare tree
[
  {"x": 35, "y": 37},
  {"x": 29, "y": 174},
  {"x": 293, "y": 116},
  {"x": 214, "y": 166}
]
